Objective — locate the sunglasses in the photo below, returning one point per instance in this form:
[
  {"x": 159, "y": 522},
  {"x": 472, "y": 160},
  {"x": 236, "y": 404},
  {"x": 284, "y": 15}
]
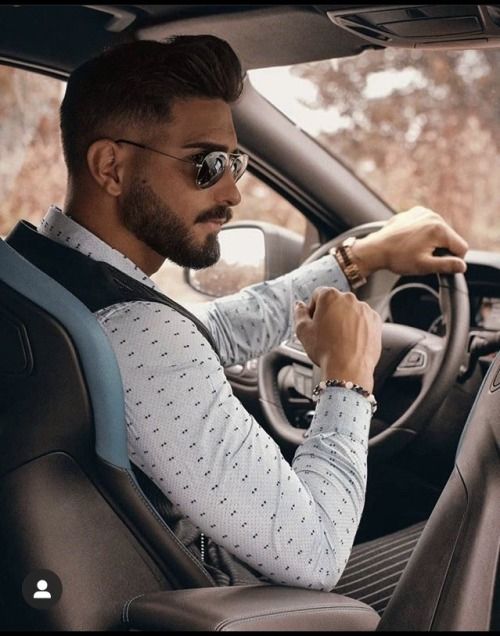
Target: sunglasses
[{"x": 211, "y": 166}]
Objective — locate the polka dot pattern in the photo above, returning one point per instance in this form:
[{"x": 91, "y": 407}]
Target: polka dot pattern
[{"x": 294, "y": 524}]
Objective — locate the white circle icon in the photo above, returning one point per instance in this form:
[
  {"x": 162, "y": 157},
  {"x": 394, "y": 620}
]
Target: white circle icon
[{"x": 42, "y": 587}]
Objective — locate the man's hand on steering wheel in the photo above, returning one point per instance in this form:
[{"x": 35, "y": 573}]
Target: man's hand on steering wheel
[{"x": 406, "y": 244}]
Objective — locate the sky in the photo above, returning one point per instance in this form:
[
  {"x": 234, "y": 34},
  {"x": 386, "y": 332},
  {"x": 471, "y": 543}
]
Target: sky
[{"x": 284, "y": 90}]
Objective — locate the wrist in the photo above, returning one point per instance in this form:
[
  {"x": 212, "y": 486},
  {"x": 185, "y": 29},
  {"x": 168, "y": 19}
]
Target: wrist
[
  {"x": 350, "y": 386},
  {"x": 368, "y": 255},
  {"x": 356, "y": 374}
]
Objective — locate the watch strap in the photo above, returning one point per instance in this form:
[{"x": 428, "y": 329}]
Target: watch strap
[{"x": 344, "y": 256}]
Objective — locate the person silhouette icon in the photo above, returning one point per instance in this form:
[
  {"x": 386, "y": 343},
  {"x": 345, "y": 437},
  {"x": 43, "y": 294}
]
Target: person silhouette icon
[
  {"x": 36, "y": 586},
  {"x": 42, "y": 587}
]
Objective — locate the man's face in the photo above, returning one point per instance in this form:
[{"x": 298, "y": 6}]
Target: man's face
[{"x": 162, "y": 205}]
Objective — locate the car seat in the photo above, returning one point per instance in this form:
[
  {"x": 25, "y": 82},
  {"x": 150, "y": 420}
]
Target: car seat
[
  {"x": 69, "y": 499},
  {"x": 451, "y": 581}
]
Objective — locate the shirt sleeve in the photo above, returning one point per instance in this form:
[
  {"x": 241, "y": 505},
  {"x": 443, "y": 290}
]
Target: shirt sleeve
[
  {"x": 247, "y": 324},
  {"x": 187, "y": 431}
]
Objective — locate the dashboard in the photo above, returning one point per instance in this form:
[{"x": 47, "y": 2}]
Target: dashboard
[{"x": 415, "y": 300}]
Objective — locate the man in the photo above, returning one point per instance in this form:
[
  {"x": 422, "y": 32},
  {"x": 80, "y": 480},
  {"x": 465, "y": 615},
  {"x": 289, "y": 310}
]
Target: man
[{"x": 152, "y": 162}]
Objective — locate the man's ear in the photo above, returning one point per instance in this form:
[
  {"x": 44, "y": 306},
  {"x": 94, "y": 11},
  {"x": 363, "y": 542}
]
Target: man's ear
[{"x": 105, "y": 164}]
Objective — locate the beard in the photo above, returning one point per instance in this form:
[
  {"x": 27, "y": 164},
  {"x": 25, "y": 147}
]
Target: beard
[{"x": 155, "y": 224}]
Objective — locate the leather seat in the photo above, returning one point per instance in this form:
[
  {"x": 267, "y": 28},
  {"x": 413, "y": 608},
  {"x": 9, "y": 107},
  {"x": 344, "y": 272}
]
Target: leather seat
[
  {"x": 375, "y": 567},
  {"x": 69, "y": 499},
  {"x": 451, "y": 581}
]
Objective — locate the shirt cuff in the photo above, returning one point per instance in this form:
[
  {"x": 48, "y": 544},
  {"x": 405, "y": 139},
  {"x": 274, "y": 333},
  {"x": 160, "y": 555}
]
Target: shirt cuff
[{"x": 342, "y": 411}]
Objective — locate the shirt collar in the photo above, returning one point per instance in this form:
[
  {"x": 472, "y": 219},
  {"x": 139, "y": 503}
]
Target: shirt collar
[{"x": 61, "y": 228}]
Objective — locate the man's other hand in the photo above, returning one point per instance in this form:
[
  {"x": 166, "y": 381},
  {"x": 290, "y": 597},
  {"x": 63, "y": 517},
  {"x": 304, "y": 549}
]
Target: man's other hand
[
  {"x": 340, "y": 334},
  {"x": 406, "y": 244}
]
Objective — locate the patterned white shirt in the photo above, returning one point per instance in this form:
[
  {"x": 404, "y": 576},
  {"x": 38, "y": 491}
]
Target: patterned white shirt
[{"x": 294, "y": 524}]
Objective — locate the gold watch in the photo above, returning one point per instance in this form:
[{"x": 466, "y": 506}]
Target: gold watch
[{"x": 344, "y": 257}]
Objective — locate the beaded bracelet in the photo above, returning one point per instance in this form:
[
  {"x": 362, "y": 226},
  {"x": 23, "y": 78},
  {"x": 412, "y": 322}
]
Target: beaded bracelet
[{"x": 318, "y": 390}]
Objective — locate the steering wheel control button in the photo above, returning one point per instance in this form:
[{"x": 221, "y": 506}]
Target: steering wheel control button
[
  {"x": 414, "y": 360},
  {"x": 42, "y": 589}
]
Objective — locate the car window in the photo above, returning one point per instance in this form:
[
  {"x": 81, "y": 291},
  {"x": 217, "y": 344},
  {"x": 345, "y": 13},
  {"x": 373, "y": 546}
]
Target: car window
[
  {"x": 418, "y": 127},
  {"x": 33, "y": 174}
]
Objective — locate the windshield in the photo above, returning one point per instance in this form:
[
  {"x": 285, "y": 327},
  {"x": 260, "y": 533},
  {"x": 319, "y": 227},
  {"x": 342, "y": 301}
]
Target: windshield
[{"x": 418, "y": 127}]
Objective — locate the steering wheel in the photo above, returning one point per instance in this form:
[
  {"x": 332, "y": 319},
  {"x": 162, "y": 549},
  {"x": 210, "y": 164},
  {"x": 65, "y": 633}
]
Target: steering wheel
[{"x": 406, "y": 351}]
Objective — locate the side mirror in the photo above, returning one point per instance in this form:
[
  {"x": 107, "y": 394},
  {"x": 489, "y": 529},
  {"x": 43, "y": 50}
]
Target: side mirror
[
  {"x": 241, "y": 263},
  {"x": 250, "y": 252}
]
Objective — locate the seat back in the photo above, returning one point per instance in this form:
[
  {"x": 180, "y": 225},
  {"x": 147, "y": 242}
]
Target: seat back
[
  {"x": 70, "y": 502},
  {"x": 451, "y": 582}
]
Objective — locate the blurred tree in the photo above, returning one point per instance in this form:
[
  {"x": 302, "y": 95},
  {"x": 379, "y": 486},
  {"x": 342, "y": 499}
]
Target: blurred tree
[
  {"x": 421, "y": 128},
  {"x": 32, "y": 174}
]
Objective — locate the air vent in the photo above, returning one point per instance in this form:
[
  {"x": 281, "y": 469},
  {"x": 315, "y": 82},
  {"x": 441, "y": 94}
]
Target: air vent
[{"x": 414, "y": 26}]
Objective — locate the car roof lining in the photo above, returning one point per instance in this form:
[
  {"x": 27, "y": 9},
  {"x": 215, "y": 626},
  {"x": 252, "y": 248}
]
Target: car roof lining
[
  {"x": 60, "y": 37},
  {"x": 267, "y": 37}
]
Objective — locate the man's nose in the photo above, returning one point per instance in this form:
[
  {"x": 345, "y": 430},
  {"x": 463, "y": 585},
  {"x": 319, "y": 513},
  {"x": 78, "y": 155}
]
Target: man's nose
[{"x": 226, "y": 191}]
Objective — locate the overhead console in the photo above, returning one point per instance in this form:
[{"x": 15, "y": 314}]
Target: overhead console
[{"x": 422, "y": 26}]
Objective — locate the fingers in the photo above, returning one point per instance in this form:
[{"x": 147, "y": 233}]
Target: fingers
[
  {"x": 443, "y": 265},
  {"x": 301, "y": 310},
  {"x": 302, "y": 317},
  {"x": 320, "y": 291},
  {"x": 448, "y": 238},
  {"x": 322, "y": 299},
  {"x": 319, "y": 295},
  {"x": 304, "y": 313},
  {"x": 456, "y": 244},
  {"x": 412, "y": 240}
]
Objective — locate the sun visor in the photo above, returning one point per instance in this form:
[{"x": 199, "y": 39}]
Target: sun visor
[{"x": 423, "y": 26}]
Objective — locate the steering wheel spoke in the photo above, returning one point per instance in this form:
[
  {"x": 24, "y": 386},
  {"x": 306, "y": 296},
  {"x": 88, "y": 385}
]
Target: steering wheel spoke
[
  {"x": 420, "y": 359},
  {"x": 294, "y": 350}
]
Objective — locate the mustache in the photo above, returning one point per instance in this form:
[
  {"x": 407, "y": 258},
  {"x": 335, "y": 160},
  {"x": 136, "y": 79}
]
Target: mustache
[{"x": 216, "y": 214}]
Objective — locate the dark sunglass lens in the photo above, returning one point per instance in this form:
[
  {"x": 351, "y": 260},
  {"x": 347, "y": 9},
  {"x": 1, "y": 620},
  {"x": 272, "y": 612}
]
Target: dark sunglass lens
[{"x": 212, "y": 169}]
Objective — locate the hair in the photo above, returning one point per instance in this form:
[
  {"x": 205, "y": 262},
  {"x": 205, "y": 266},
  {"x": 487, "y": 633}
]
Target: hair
[{"x": 135, "y": 84}]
